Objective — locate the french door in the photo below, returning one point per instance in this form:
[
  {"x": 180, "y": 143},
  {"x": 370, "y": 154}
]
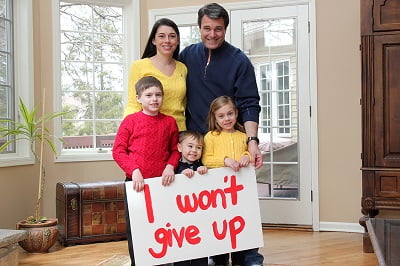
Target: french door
[{"x": 276, "y": 40}]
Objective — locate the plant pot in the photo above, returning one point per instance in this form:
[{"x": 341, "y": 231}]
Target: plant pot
[{"x": 41, "y": 237}]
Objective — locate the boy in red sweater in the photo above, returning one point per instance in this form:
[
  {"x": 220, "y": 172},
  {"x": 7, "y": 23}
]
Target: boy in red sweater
[{"x": 146, "y": 143}]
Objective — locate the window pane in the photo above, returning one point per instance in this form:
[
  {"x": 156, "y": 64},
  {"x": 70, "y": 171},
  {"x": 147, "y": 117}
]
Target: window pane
[
  {"x": 3, "y": 35},
  {"x": 92, "y": 69},
  {"x": 5, "y": 95},
  {"x": 106, "y": 128},
  {"x": 107, "y": 19},
  {"x": 7, "y": 90},
  {"x": 3, "y": 68},
  {"x": 108, "y": 77},
  {"x": 189, "y": 34},
  {"x": 75, "y": 17},
  {"x": 286, "y": 68},
  {"x": 271, "y": 47},
  {"x": 102, "y": 105},
  {"x": 2, "y": 8},
  {"x": 76, "y": 76},
  {"x": 76, "y": 46},
  {"x": 108, "y": 48}
]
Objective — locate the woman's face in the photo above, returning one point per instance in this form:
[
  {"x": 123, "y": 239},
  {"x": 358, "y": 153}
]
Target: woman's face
[
  {"x": 166, "y": 40},
  {"x": 226, "y": 117}
]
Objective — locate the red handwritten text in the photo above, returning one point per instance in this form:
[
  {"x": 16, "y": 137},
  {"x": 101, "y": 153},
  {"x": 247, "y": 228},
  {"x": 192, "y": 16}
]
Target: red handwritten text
[
  {"x": 206, "y": 199},
  {"x": 149, "y": 204},
  {"x": 168, "y": 236},
  {"x": 233, "y": 229}
]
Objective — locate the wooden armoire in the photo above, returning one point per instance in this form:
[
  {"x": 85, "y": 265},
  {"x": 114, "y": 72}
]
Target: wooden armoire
[{"x": 380, "y": 105}]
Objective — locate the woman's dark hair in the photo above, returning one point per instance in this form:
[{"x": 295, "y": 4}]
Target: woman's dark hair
[
  {"x": 213, "y": 11},
  {"x": 151, "y": 49}
]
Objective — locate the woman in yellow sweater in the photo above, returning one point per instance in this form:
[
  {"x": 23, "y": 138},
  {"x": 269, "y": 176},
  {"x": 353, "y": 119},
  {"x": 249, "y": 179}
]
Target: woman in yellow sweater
[
  {"x": 159, "y": 60},
  {"x": 226, "y": 143}
]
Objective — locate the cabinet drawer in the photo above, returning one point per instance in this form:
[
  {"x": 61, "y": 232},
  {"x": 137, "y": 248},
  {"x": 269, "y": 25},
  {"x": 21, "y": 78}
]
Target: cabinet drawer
[{"x": 387, "y": 184}]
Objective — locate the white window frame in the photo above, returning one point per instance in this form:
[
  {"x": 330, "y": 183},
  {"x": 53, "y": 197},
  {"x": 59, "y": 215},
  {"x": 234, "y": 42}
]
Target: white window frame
[
  {"x": 131, "y": 14},
  {"x": 274, "y": 100},
  {"x": 23, "y": 75}
]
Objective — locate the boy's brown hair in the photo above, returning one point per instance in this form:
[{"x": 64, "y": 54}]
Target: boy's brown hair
[
  {"x": 147, "y": 82},
  {"x": 193, "y": 134}
]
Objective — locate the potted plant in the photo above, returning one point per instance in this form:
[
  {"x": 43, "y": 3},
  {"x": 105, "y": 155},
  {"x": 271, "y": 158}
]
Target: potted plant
[{"x": 42, "y": 232}]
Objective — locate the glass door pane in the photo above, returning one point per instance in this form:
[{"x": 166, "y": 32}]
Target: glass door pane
[{"x": 271, "y": 46}]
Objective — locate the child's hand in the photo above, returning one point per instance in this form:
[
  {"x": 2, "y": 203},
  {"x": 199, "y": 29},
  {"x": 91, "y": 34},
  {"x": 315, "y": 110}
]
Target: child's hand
[
  {"x": 232, "y": 163},
  {"x": 137, "y": 180},
  {"x": 202, "y": 170},
  {"x": 168, "y": 175},
  {"x": 244, "y": 161},
  {"x": 188, "y": 172}
]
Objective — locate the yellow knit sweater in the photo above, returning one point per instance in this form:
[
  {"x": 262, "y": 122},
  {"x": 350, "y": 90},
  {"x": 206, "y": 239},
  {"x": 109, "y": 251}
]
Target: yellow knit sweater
[
  {"x": 219, "y": 146},
  {"x": 174, "y": 100}
]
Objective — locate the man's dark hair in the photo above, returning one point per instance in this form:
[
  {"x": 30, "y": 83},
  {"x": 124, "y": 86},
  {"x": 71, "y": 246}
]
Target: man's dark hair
[{"x": 213, "y": 11}]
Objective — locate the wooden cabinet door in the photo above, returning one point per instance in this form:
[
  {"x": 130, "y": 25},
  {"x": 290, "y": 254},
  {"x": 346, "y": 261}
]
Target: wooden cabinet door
[
  {"x": 386, "y": 15},
  {"x": 387, "y": 100}
]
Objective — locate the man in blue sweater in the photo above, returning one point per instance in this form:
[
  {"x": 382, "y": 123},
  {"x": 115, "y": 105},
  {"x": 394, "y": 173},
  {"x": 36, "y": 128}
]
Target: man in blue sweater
[{"x": 217, "y": 68}]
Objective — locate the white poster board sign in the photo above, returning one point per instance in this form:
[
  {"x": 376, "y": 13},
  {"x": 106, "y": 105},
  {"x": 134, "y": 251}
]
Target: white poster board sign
[{"x": 195, "y": 217}]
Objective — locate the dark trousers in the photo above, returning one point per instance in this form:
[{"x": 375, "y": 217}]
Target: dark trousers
[
  {"x": 194, "y": 262},
  {"x": 247, "y": 257},
  {"x": 221, "y": 260}
]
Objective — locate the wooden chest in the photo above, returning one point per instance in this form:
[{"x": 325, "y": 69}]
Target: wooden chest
[{"x": 90, "y": 212}]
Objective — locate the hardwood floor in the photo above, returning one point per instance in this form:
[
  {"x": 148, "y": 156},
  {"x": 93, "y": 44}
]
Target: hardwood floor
[{"x": 291, "y": 247}]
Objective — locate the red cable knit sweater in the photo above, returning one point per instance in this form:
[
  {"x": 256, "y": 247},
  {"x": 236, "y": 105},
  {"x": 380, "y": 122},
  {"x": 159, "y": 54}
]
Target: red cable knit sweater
[{"x": 146, "y": 142}]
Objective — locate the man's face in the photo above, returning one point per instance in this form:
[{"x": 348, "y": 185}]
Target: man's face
[{"x": 212, "y": 32}]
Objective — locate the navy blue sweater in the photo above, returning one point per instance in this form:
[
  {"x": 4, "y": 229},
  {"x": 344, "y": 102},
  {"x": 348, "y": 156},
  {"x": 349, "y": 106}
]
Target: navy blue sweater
[{"x": 229, "y": 73}]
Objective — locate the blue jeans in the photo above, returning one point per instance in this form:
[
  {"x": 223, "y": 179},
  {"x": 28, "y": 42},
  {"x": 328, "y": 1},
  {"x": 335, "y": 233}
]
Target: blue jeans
[{"x": 249, "y": 257}]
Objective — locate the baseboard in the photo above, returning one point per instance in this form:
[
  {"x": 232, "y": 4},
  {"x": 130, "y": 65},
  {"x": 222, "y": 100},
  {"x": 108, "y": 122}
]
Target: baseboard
[{"x": 341, "y": 227}]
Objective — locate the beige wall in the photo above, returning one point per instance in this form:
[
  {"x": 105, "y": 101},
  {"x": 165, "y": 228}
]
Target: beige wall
[
  {"x": 339, "y": 111},
  {"x": 339, "y": 118}
]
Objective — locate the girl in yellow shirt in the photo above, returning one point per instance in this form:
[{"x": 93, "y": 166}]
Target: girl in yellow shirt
[{"x": 226, "y": 143}]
